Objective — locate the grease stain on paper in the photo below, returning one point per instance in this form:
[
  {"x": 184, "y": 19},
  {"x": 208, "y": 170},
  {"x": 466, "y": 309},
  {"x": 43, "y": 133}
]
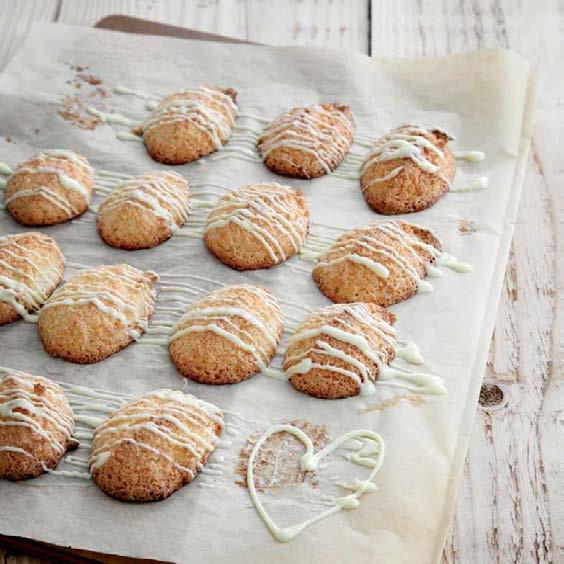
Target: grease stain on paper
[
  {"x": 412, "y": 399},
  {"x": 277, "y": 465}
]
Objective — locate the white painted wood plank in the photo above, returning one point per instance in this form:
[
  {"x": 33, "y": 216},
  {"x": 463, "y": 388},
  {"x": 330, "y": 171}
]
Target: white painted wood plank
[
  {"x": 320, "y": 23},
  {"x": 15, "y": 19},
  {"x": 226, "y": 17},
  {"x": 508, "y": 504},
  {"x": 508, "y": 513},
  {"x": 341, "y": 24}
]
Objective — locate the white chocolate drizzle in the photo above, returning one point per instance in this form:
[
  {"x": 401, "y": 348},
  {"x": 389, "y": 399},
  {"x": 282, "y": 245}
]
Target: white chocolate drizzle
[
  {"x": 5, "y": 170},
  {"x": 156, "y": 192},
  {"x": 379, "y": 249},
  {"x": 354, "y": 333},
  {"x": 254, "y": 117},
  {"x": 269, "y": 211},
  {"x": 309, "y": 130},
  {"x": 475, "y": 185},
  {"x": 175, "y": 408},
  {"x": 193, "y": 105},
  {"x": 133, "y": 92},
  {"x": 470, "y": 156},
  {"x": 405, "y": 142},
  {"x": 392, "y": 174},
  {"x": 29, "y": 293},
  {"x": 107, "y": 117},
  {"x": 128, "y": 136},
  {"x": 91, "y": 287},
  {"x": 21, "y": 406},
  {"x": 219, "y": 317},
  {"x": 67, "y": 182},
  {"x": 241, "y": 153},
  {"x": 310, "y": 462}
]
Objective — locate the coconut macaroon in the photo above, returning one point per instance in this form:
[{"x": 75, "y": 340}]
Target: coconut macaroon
[
  {"x": 154, "y": 445},
  {"x": 383, "y": 263},
  {"x": 227, "y": 336},
  {"x": 52, "y": 187},
  {"x": 144, "y": 211},
  {"x": 407, "y": 170},
  {"x": 97, "y": 313},
  {"x": 31, "y": 267},
  {"x": 36, "y": 424},
  {"x": 308, "y": 142},
  {"x": 190, "y": 124},
  {"x": 257, "y": 226},
  {"x": 338, "y": 351}
]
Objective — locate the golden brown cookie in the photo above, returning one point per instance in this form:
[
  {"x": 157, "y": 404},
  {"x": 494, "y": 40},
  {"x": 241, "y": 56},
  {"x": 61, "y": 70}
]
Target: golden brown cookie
[
  {"x": 190, "y": 124},
  {"x": 52, "y": 187},
  {"x": 383, "y": 263},
  {"x": 257, "y": 226},
  {"x": 144, "y": 211},
  {"x": 308, "y": 142},
  {"x": 338, "y": 351},
  {"x": 36, "y": 424},
  {"x": 31, "y": 267},
  {"x": 408, "y": 170},
  {"x": 97, "y": 313},
  {"x": 227, "y": 336},
  {"x": 154, "y": 445}
]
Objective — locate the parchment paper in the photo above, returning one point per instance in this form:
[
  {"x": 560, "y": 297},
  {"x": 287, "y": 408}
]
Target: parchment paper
[{"x": 483, "y": 98}]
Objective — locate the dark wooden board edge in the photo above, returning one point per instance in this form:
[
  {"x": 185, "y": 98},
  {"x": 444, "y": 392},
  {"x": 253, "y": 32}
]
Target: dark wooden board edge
[
  {"x": 71, "y": 555},
  {"x": 130, "y": 24},
  {"x": 66, "y": 555}
]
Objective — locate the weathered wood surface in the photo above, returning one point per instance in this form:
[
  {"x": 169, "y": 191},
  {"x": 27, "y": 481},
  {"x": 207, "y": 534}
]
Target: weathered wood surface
[
  {"x": 15, "y": 18},
  {"x": 320, "y": 23},
  {"x": 510, "y": 506}
]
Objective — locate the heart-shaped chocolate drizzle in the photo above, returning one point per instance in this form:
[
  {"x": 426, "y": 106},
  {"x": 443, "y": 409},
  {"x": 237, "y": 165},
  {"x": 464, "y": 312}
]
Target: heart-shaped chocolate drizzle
[{"x": 309, "y": 462}]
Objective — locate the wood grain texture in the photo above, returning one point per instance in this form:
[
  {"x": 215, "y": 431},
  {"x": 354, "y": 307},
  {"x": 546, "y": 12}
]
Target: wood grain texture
[
  {"x": 15, "y": 19},
  {"x": 510, "y": 506},
  {"x": 226, "y": 17},
  {"x": 319, "y": 23},
  {"x": 342, "y": 24}
]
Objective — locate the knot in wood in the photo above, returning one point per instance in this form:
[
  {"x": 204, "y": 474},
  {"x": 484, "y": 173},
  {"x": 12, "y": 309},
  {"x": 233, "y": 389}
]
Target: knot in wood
[{"x": 491, "y": 396}]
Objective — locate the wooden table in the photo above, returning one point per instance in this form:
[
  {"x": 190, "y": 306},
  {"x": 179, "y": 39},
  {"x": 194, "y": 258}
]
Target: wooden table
[{"x": 510, "y": 505}]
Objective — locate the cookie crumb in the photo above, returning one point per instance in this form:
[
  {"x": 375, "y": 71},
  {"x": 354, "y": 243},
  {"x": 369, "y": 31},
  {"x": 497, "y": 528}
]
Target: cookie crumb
[
  {"x": 74, "y": 106},
  {"x": 277, "y": 465},
  {"x": 89, "y": 79},
  {"x": 466, "y": 227}
]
